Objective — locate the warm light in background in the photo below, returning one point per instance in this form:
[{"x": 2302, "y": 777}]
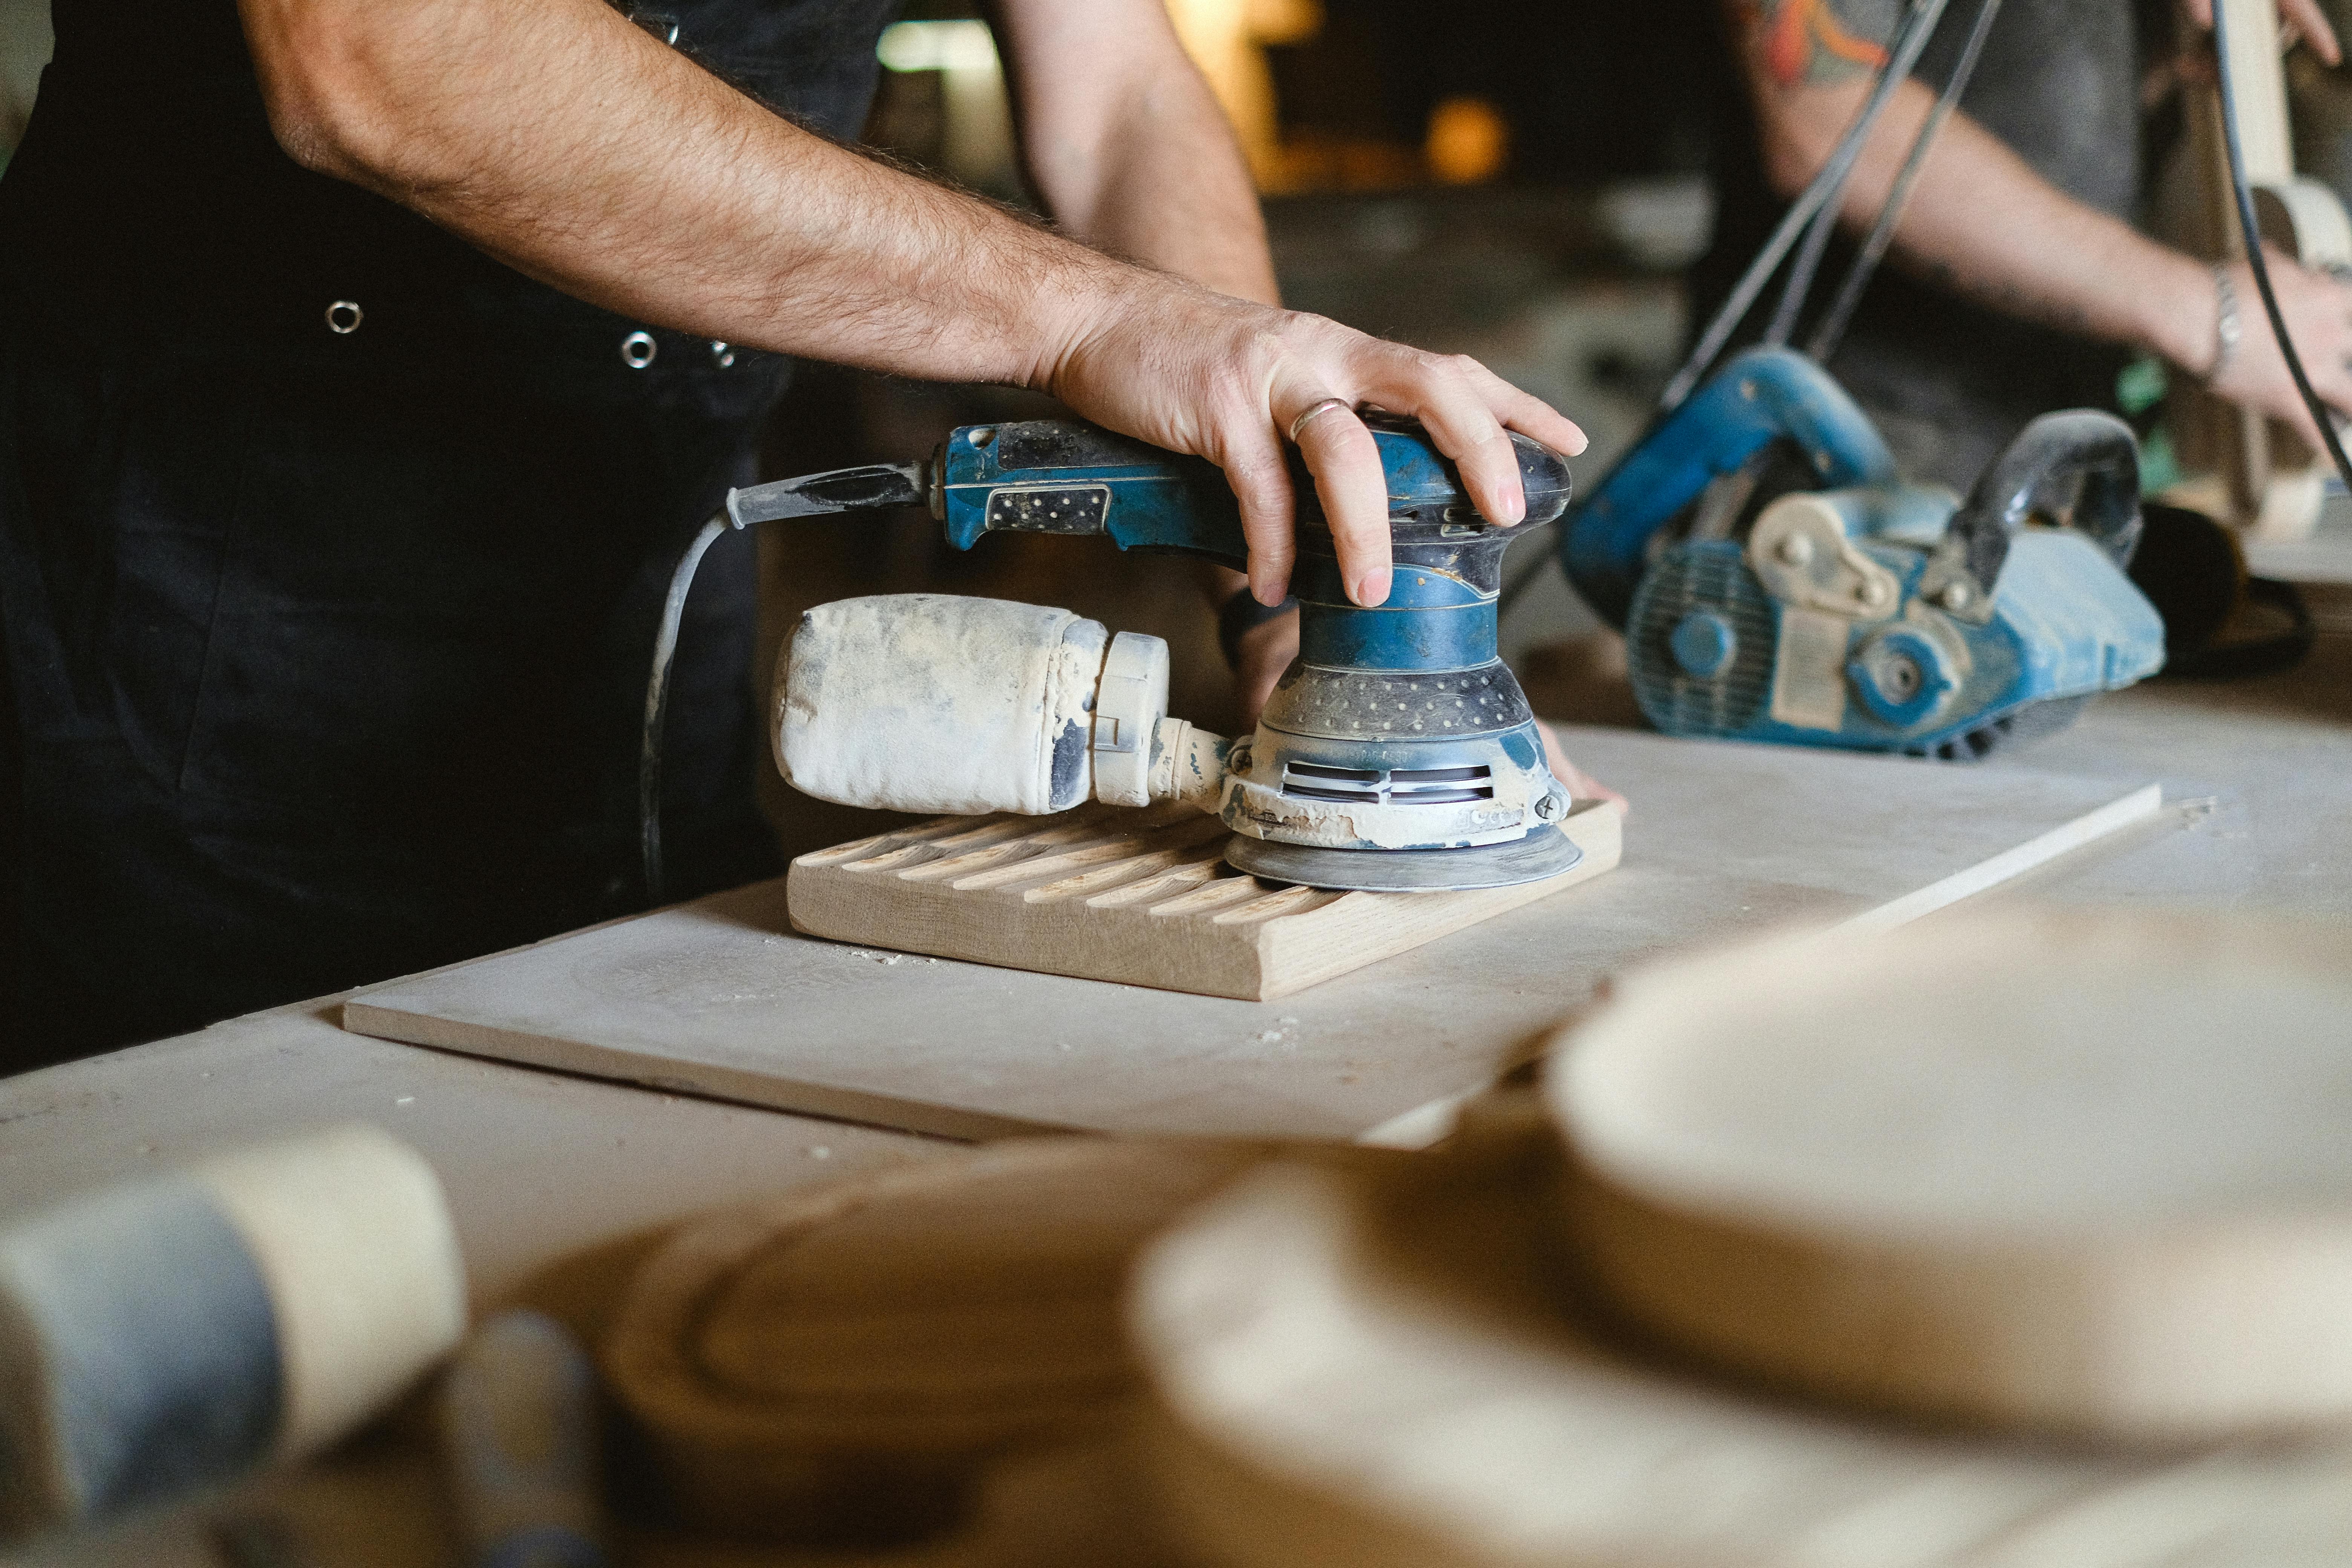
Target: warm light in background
[
  {"x": 977, "y": 147},
  {"x": 963, "y": 44},
  {"x": 1468, "y": 142},
  {"x": 1227, "y": 39}
]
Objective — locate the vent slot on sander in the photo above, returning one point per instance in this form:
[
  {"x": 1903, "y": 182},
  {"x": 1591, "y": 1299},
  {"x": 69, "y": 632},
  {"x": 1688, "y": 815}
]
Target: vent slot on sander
[{"x": 1400, "y": 786}]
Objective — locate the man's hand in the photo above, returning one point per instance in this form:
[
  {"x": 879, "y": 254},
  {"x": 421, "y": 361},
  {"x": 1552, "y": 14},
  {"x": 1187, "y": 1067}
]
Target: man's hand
[
  {"x": 1264, "y": 652},
  {"x": 1581, "y": 785},
  {"x": 2050, "y": 259},
  {"x": 2317, "y": 309},
  {"x": 1225, "y": 379},
  {"x": 2318, "y": 312},
  {"x": 561, "y": 138}
]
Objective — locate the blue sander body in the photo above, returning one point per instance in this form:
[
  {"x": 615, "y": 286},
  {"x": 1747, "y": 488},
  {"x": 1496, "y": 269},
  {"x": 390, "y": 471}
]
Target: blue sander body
[
  {"x": 1397, "y": 752},
  {"x": 1843, "y": 607}
]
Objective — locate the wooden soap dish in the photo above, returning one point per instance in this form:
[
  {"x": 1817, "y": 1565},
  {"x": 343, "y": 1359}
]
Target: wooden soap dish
[{"x": 1140, "y": 897}]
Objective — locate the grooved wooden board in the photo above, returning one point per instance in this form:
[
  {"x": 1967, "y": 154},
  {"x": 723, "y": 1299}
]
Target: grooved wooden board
[
  {"x": 1140, "y": 897},
  {"x": 722, "y": 997}
]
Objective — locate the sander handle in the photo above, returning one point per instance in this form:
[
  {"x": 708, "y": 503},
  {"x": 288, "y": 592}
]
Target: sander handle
[
  {"x": 2079, "y": 466},
  {"x": 1063, "y": 476}
]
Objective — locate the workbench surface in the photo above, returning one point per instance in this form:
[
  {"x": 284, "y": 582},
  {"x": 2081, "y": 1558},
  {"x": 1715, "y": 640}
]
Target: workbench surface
[{"x": 2258, "y": 784}]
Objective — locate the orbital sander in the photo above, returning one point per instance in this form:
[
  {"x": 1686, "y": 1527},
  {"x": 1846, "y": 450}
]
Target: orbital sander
[{"x": 1396, "y": 753}]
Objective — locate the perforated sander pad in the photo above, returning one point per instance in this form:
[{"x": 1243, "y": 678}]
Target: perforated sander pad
[{"x": 1545, "y": 852}]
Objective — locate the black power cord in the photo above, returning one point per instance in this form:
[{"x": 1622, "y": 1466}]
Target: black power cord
[
  {"x": 649, "y": 754},
  {"x": 1831, "y": 330},
  {"x": 1814, "y": 213},
  {"x": 1826, "y": 188},
  {"x": 2251, "y": 226}
]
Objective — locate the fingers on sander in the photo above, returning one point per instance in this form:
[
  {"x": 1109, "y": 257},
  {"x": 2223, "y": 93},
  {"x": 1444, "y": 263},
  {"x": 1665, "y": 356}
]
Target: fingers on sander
[{"x": 170, "y": 1334}]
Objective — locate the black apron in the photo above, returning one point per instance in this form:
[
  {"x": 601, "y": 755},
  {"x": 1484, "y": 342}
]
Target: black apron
[
  {"x": 325, "y": 648},
  {"x": 1950, "y": 382}
]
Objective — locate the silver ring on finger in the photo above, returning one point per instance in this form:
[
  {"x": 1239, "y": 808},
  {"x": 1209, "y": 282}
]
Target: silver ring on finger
[{"x": 1314, "y": 412}]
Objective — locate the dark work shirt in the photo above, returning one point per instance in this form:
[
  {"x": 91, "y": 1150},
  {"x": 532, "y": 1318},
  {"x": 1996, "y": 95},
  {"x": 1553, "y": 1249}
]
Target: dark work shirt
[{"x": 323, "y": 648}]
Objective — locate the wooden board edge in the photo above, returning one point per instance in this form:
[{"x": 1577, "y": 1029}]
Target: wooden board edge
[
  {"x": 812, "y": 885},
  {"x": 1597, "y": 827},
  {"x": 674, "y": 1075},
  {"x": 813, "y": 913}
]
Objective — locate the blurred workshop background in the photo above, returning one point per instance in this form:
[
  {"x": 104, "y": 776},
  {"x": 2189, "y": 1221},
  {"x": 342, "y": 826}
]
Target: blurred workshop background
[{"x": 1525, "y": 183}]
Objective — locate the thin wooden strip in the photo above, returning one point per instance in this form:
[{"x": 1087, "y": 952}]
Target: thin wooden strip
[
  {"x": 1280, "y": 901},
  {"x": 1216, "y": 895},
  {"x": 2010, "y": 864},
  {"x": 1186, "y": 874},
  {"x": 1123, "y": 848},
  {"x": 1426, "y": 1123}
]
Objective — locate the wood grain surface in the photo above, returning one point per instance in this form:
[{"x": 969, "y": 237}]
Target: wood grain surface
[
  {"x": 722, "y": 997},
  {"x": 1141, "y": 898},
  {"x": 1391, "y": 1369},
  {"x": 2068, "y": 1171},
  {"x": 841, "y": 1363}
]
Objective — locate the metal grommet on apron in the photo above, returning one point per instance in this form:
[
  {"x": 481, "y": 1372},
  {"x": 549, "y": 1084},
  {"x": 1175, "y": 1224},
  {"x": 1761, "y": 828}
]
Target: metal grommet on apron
[
  {"x": 637, "y": 350},
  {"x": 660, "y": 24},
  {"x": 722, "y": 353},
  {"x": 344, "y": 316}
]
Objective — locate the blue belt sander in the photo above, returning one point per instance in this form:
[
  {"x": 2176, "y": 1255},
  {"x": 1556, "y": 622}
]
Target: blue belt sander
[{"x": 1777, "y": 580}]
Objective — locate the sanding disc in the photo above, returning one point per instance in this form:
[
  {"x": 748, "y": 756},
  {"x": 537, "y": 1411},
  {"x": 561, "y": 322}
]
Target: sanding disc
[
  {"x": 1384, "y": 1368},
  {"x": 834, "y": 1364},
  {"x": 2081, "y": 1172},
  {"x": 1546, "y": 851}
]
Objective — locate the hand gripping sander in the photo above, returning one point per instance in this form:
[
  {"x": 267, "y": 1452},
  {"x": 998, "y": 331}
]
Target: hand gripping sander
[{"x": 1396, "y": 753}]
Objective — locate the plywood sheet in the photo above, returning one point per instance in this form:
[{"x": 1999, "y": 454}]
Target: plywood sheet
[
  {"x": 722, "y": 997},
  {"x": 1141, "y": 898}
]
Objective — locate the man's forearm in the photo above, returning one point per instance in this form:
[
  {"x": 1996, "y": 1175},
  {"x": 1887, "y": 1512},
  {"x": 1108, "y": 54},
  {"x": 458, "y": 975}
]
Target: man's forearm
[
  {"x": 1127, "y": 146},
  {"x": 557, "y": 136},
  {"x": 1130, "y": 151},
  {"x": 1983, "y": 223}
]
